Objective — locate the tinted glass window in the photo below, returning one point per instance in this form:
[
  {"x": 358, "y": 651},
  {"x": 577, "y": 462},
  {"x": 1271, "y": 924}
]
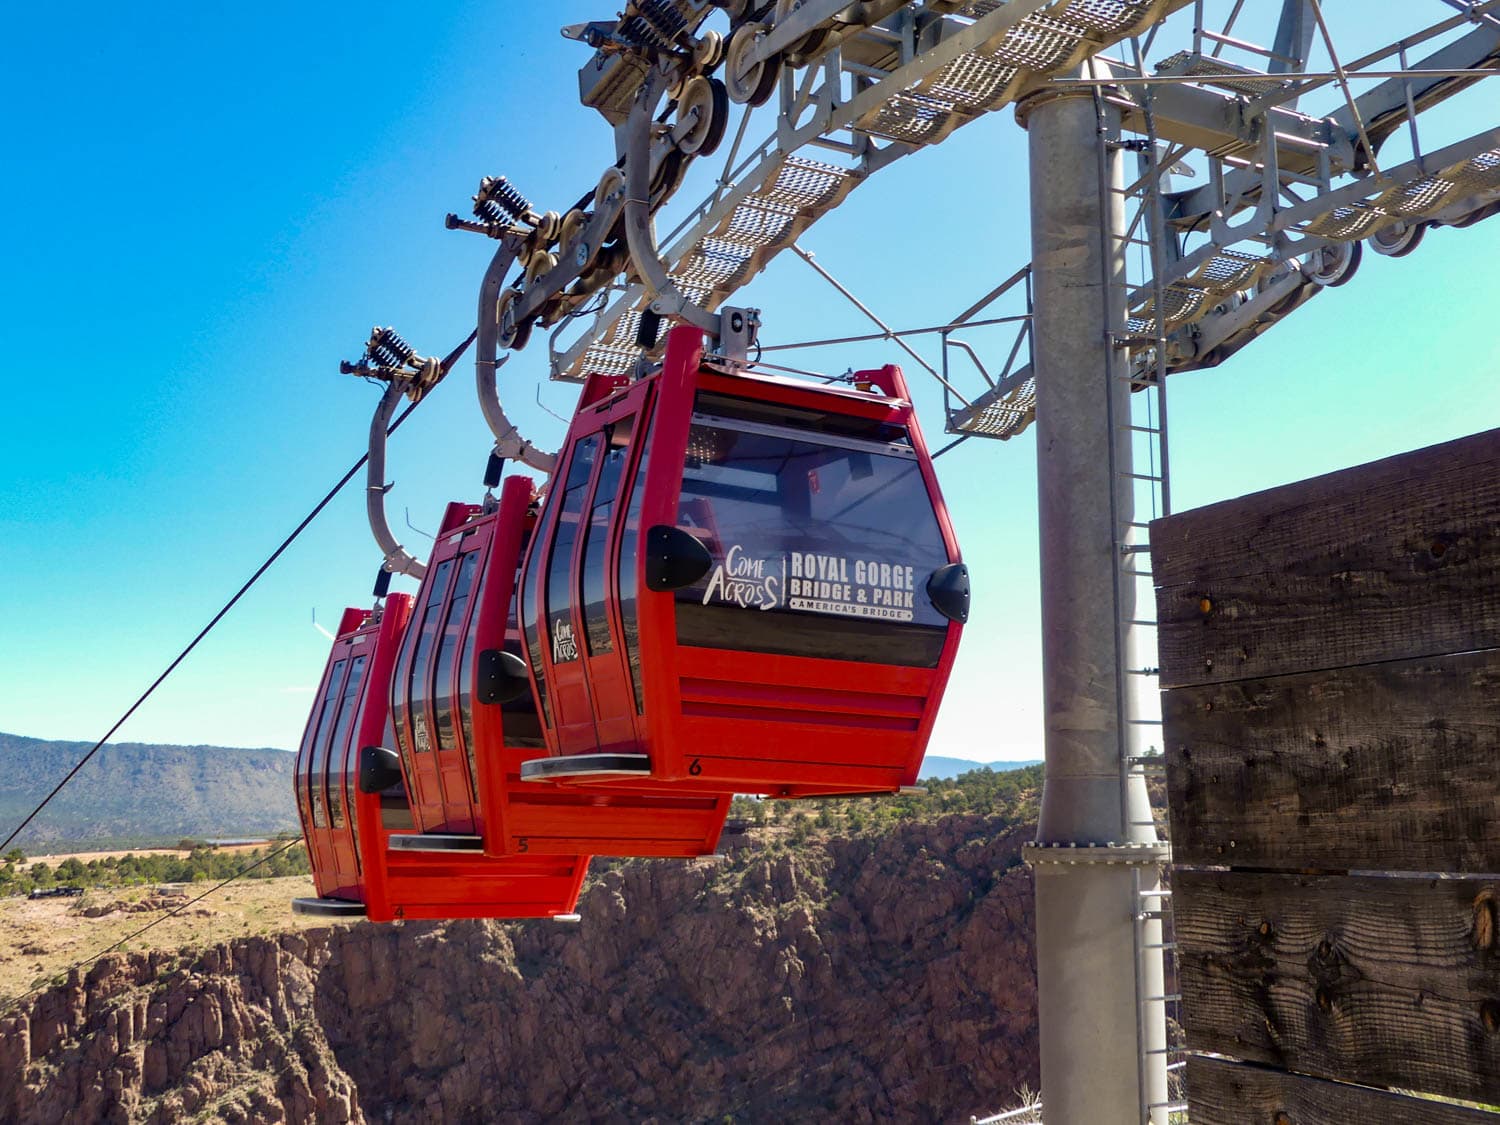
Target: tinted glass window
[
  {"x": 398, "y": 726},
  {"x": 520, "y": 724},
  {"x": 466, "y": 684},
  {"x": 563, "y": 642},
  {"x": 626, "y": 577},
  {"x": 821, "y": 546},
  {"x": 304, "y": 752},
  {"x": 320, "y": 743},
  {"x": 348, "y": 781},
  {"x": 531, "y": 610},
  {"x": 596, "y": 538},
  {"x": 339, "y": 742},
  {"x": 421, "y": 663},
  {"x": 442, "y": 696}
]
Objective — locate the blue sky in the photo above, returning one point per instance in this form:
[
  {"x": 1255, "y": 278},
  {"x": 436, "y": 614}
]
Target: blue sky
[{"x": 207, "y": 206}]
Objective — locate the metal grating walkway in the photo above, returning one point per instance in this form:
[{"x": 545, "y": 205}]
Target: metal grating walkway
[{"x": 916, "y": 105}]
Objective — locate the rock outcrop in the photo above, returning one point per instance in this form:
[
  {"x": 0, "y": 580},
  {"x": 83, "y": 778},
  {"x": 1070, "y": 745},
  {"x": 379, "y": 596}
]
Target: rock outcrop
[{"x": 876, "y": 977}]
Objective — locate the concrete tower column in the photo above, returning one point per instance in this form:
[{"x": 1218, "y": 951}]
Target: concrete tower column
[{"x": 1094, "y": 1033}]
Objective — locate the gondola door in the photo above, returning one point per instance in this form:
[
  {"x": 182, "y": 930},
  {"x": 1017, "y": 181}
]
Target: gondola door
[
  {"x": 453, "y": 769},
  {"x": 311, "y": 796},
  {"x": 334, "y": 728},
  {"x": 601, "y": 565},
  {"x": 345, "y": 869},
  {"x": 427, "y": 678},
  {"x": 552, "y": 576},
  {"x": 571, "y": 621},
  {"x": 409, "y": 689}
]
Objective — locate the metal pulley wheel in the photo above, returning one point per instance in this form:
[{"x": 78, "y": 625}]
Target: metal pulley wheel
[
  {"x": 1287, "y": 303},
  {"x": 810, "y": 42},
  {"x": 749, "y": 82},
  {"x": 542, "y": 263},
  {"x": 1399, "y": 239},
  {"x": 611, "y": 261},
  {"x": 1333, "y": 264},
  {"x": 511, "y": 335},
  {"x": 571, "y": 246},
  {"x": 702, "y": 114},
  {"x": 708, "y": 52},
  {"x": 610, "y": 184},
  {"x": 548, "y": 226},
  {"x": 667, "y": 177}
]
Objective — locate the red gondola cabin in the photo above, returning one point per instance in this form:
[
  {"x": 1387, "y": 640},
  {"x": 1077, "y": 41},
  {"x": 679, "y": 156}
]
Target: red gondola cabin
[
  {"x": 465, "y": 721},
  {"x": 741, "y": 583},
  {"x": 349, "y": 832}
]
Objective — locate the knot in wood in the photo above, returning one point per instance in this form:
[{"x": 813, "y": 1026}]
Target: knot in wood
[
  {"x": 1283, "y": 1118},
  {"x": 1489, "y": 1015},
  {"x": 1485, "y": 921}
]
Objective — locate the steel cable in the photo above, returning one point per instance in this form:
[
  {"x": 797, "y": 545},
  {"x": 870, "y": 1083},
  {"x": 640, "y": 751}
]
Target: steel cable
[
  {"x": 176, "y": 910},
  {"x": 317, "y": 509}
]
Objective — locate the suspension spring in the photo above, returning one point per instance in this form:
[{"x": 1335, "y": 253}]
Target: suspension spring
[
  {"x": 498, "y": 201},
  {"x": 664, "y": 16},
  {"x": 387, "y": 349},
  {"x": 657, "y": 27}
]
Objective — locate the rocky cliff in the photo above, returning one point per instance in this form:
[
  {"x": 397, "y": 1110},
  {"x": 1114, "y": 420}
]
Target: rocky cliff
[{"x": 873, "y": 977}]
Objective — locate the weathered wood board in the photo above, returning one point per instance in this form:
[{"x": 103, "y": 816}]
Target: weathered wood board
[
  {"x": 1380, "y": 981},
  {"x": 1393, "y": 766},
  {"x": 1227, "y": 1093},
  {"x": 1387, "y": 561}
]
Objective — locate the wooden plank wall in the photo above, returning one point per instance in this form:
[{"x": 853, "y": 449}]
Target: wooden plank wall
[{"x": 1330, "y": 664}]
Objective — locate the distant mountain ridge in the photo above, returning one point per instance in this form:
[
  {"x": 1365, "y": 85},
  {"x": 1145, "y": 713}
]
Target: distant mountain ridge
[{"x": 134, "y": 794}]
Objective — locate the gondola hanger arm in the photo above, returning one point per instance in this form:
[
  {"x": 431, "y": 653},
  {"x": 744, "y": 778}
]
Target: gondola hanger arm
[
  {"x": 509, "y": 444},
  {"x": 666, "y": 299},
  {"x": 391, "y": 360},
  {"x": 396, "y": 558}
]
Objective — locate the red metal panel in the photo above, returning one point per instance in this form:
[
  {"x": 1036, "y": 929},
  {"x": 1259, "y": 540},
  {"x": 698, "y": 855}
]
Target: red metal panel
[
  {"x": 398, "y": 884},
  {"x": 726, "y": 720},
  {"x": 509, "y": 529},
  {"x": 672, "y": 417},
  {"x": 373, "y": 729},
  {"x": 527, "y": 817}
]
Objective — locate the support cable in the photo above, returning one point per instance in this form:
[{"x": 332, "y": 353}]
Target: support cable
[
  {"x": 1349, "y": 99},
  {"x": 887, "y": 332},
  {"x": 230, "y": 604},
  {"x": 176, "y": 910}
]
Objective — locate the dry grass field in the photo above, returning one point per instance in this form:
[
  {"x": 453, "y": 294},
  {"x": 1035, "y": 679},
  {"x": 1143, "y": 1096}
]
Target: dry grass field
[
  {"x": 44, "y": 937},
  {"x": 175, "y": 853}
]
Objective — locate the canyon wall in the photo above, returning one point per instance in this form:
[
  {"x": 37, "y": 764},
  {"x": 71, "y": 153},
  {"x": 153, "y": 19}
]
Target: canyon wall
[{"x": 873, "y": 977}]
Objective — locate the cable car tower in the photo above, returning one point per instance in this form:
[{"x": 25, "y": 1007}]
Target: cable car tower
[{"x": 1199, "y": 171}]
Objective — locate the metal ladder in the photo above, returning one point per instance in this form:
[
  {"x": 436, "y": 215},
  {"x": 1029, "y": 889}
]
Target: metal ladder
[{"x": 1142, "y": 492}]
